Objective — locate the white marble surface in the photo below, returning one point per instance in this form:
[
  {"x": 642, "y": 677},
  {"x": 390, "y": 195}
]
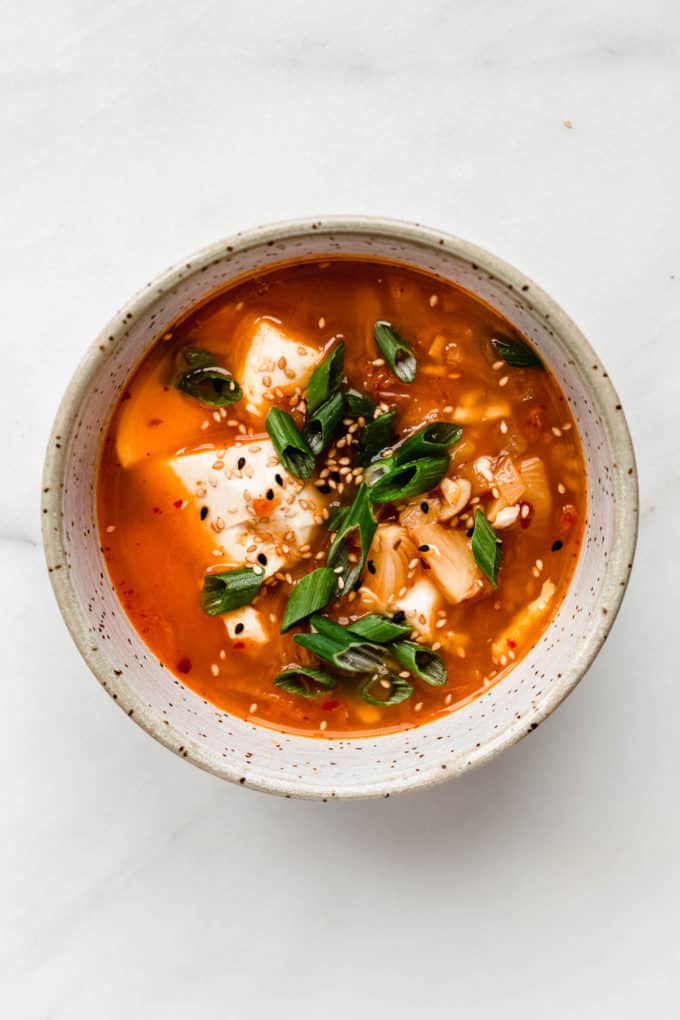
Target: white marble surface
[{"x": 545, "y": 885}]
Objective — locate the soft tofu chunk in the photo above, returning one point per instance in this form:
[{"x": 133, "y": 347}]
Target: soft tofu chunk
[
  {"x": 247, "y": 625},
  {"x": 272, "y": 359},
  {"x": 256, "y": 512}
]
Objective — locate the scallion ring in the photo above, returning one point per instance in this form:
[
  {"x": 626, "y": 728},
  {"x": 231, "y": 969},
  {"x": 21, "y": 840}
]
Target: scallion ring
[
  {"x": 409, "y": 480},
  {"x": 292, "y": 450},
  {"x": 420, "y": 661},
  {"x": 399, "y": 355},
  {"x": 230, "y": 589},
  {"x": 386, "y": 689}
]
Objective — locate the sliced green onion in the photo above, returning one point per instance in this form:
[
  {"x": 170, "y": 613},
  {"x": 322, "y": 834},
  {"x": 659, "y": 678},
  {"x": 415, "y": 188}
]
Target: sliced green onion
[
  {"x": 342, "y": 652},
  {"x": 293, "y": 451},
  {"x": 311, "y": 593},
  {"x": 196, "y": 357},
  {"x": 229, "y": 590},
  {"x": 357, "y": 529},
  {"x": 359, "y": 404},
  {"x": 305, "y": 681},
  {"x": 421, "y": 662},
  {"x": 516, "y": 353},
  {"x": 320, "y": 427},
  {"x": 337, "y": 515},
  {"x": 378, "y": 469},
  {"x": 399, "y": 355},
  {"x": 326, "y": 378},
  {"x": 376, "y": 436},
  {"x": 486, "y": 549},
  {"x": 211, "y": 385},
  {"x": 379, "y": 629},
  {"x": 409, "y": 480},
  {"x": 386, "y": 689},
  {"x": 436, "y": 438}
]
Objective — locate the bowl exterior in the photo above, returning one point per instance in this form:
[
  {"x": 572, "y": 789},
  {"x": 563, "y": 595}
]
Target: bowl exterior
[{"x": 318, "y": 768}]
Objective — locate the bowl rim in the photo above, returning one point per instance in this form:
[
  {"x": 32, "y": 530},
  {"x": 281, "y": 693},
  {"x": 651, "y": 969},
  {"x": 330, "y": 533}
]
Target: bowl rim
[{"x": 618, "y": 565}]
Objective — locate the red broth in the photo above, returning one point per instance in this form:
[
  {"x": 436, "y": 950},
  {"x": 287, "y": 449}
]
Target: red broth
[{"x": 519, "y": 460}]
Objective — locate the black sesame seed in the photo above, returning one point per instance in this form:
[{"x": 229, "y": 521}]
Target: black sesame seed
[
  {"x": 399, "y": 617},
  {"x": 239, "y": 628},
  {"x": 261, "y": 558},
  {"x": 241, "y": 463},
  {"x": 278, "y": 479},
  {"x": 325, "y": 488},
  {"x": 469, "y": 532},
  {"x": 270, "y": 493},
  {"x": 425, "y": 507},
  {"x": 556, "y": 546},
  {"x": 371, "y": 567},
  {"x": 423, "y": 548},
  {"x": 204, "y": 512}
]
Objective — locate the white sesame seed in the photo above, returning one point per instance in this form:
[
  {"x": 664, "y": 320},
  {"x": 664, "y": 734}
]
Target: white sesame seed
[
  {"x": 323, "y": 724},
  {"x": 205, "y": 424},
  {"x": 322, "y": 322},
  {"x": 434, "y": 300},
  {"x": 561, "y": 489},
  {"x": 253, "y": 708},
  {"x": 504, "y": 380},
  {"x": 110, "y": 528},
  {"x": 215, "y": 669},
  {"x": 504, "y": 427},
  {"x": 556, "y": 432}
]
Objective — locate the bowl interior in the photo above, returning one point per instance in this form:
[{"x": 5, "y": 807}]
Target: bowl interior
[{"x": 300, "y": 766}]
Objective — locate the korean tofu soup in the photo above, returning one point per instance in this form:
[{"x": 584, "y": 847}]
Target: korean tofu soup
[{"x": 341, "y": 498}]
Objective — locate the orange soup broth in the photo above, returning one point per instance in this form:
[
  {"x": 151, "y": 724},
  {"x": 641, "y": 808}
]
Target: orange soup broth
[{"x": 157, "y": 551}]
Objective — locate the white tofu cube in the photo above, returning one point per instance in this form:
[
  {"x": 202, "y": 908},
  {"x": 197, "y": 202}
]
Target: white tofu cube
[{"x": 272, "y": 359}]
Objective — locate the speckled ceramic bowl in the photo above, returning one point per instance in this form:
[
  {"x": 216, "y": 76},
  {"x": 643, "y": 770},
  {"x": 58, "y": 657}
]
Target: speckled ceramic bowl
[{"x": 320, "y": 768}]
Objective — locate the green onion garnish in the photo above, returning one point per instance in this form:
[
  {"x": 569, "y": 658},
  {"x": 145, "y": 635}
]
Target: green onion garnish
[
  {"x": 196, "y": 357},
  {"x": 376, "y": 436},
  {"x": 409, "y": 480},
  {"x": 293, "y": 451},
  {"x": 421, "y": 662},
  {"x": 516, "y": 353},
  {"x": 336, "y": 645},
  {"x": 355, "y": 535},
  {"x": 397, "y": 353},
  {"x": 386, "y": 689},
  {"x": 433, "y": 440},
  {"x": 337, "y": 515},
  {"x": 305, "y": 681},
  {"x": 326, "y": 378},
  {"x": 359, "y": 405},
  {"x": 486, "y": 550},
  {"x": 320, "y": 427},
  {"x": 378, "y": 628},
  {"x": 311, "y": 593},
  {"x": 205, "y": 380},
  {"x": 229, "y": 590}
]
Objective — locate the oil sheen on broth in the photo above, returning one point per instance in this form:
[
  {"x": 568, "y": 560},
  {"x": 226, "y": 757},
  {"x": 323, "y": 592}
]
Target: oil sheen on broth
[{"x": 188, "y": 489}]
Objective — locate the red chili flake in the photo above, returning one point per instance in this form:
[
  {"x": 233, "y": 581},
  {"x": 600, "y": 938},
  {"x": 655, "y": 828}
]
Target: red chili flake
[
  {"x": 179, "y": 503},
  {"x": 525, "y": 516},
  {"x": 568, "y": 518},
  {"x": 511, "y": 643},
  {"x": 238, "y": 645},
  {"x": 166, "y": 389},
  {"x": 157, "y": 510},
  {"x": 184, "y": 666},
  {"x": 330, "y": 706},
  {"x": 152, "y": 422}
]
